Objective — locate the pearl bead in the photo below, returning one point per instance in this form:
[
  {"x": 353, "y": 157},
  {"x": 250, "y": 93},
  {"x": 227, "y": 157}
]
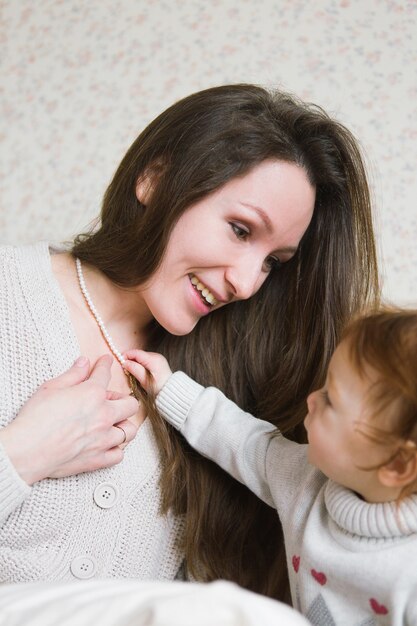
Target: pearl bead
[{"x": 97, "y": 317}]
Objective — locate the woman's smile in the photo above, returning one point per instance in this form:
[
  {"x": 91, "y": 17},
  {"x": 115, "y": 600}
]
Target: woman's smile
[
  {"x": 199, "y": 302},
  {"x": 205, "y": 293}
]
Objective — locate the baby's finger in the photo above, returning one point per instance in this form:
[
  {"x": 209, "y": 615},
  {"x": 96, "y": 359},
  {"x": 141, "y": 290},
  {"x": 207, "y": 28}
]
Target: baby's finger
[
  {"x": 141, "y": 356},
  {"x": 139, "y": 372},
  {"x": 155, "y": 362}
]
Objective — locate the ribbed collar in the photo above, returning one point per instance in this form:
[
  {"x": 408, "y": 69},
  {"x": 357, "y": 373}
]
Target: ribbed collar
[{"x": 381, "y": 520}]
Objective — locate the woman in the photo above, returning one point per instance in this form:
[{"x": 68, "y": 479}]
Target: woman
[{"x": 236, "y": 238}]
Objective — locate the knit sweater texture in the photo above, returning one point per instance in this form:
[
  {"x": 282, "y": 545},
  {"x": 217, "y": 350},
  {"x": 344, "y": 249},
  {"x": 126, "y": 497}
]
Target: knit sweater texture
[
  {"x": 350, "y": 563},
  {"x": 46, "y": 530}
]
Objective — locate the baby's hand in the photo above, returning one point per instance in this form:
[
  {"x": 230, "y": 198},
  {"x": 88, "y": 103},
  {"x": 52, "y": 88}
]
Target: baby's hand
[{"x": 139, "y": 363}]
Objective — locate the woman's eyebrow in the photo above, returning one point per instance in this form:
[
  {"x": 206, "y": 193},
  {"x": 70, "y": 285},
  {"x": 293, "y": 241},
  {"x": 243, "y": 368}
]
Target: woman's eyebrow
[
  {"x": 268, "y": 226},
  {"x": 261, "y": 214}
]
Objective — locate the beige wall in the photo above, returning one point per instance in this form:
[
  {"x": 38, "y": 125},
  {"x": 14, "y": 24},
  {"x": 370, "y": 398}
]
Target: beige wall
[{"x": 82, "y": 77}]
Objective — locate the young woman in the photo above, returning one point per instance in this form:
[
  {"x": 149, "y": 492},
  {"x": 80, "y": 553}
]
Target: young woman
[{"x": 235, "y": 238}]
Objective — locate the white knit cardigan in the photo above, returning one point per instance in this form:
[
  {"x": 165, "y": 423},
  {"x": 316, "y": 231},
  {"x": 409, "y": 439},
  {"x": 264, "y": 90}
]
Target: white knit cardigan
[{"x": 47, "y": 528}]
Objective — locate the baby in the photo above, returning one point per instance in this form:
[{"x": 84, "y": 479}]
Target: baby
[{"x": 347, "y": 500}]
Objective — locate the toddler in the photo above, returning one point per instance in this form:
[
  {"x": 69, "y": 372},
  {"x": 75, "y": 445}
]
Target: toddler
[{"x": 347, "y": 500}]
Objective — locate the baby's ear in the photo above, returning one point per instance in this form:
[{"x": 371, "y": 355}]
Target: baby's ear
[{"x": 402, "y": 469}]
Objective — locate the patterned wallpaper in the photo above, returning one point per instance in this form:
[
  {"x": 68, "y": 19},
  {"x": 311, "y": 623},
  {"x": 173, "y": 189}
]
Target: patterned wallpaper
[{"x": 81, "y": 78}]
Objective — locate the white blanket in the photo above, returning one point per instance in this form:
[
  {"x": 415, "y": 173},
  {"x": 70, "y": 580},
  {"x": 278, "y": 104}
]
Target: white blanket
[{"x": 134, "y": 603}]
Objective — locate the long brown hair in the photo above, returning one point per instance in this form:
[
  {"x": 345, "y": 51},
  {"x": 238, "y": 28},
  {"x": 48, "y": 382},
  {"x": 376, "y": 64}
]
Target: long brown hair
[{"x": 266, "y": 353}]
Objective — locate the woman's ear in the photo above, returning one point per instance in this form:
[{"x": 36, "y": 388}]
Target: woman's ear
[
  {"x": 147, "y": 181},
  {"x": 402, "y": 469},
  {"x": 144, "y": 187}
]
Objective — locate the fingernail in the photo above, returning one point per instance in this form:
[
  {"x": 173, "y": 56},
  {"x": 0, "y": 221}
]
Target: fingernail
[{"x": 81, "y": 361}]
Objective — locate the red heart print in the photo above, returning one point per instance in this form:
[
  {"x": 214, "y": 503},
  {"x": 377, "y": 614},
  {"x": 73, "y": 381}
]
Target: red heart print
[
  {"x": 319, "y": 576},
  {"x": 296, "y": 563},
  {"x": 379, "y": 609}
]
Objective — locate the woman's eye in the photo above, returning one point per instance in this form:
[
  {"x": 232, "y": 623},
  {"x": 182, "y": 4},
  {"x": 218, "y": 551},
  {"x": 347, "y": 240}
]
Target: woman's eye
[
  {"x": 271, "y": 263},
  {"x": 240, "y": 231}
]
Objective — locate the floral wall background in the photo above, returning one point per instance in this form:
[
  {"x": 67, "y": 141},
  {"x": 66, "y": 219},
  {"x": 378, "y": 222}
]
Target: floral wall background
[{"x": 81, "y": 78}]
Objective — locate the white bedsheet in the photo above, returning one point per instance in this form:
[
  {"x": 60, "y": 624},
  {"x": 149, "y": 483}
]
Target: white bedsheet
[{"x": 134, "y": 603}]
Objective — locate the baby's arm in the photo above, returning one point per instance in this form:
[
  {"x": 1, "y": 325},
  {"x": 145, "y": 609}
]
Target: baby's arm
[{"x": 210, "y": 422}]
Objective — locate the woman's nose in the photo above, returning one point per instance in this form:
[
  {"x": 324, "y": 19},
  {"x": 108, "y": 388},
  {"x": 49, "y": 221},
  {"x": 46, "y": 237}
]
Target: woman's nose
[{"x": 245, "y": 278}]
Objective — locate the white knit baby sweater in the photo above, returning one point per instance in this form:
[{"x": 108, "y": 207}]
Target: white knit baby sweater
[
  {"x": 104, "y": 523},
  {"x": 350, "y": 563}
]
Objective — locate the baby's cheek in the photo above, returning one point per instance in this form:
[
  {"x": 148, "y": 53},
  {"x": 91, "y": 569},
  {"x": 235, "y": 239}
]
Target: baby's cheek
[{"x": 311, "y": 453}]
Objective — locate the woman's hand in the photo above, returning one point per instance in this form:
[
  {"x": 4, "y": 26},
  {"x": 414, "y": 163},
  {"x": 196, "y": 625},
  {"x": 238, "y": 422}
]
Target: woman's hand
[
  {"x": 150, "y": 368},
  {"x": 71, "y": 424}
]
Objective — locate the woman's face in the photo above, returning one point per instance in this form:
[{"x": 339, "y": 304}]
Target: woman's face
[{"x": 223, "y": 247}]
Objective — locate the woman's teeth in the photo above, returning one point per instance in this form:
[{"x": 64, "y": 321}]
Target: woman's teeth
[{"x": 206, "y": 293}]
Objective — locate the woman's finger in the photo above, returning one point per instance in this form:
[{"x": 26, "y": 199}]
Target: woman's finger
[
  {"x": 123, "y": 408},
  {"x": 127, "y": 432},
  {"x": 100, "y": 373},
  {"x": 76, "y": 374},
  {"x": 114, "y": 395},
  {"x": 123, "y": 431}
]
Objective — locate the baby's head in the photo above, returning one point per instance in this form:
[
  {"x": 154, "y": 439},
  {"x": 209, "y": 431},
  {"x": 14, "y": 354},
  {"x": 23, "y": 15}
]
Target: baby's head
[{"x": 362, "y": 425}]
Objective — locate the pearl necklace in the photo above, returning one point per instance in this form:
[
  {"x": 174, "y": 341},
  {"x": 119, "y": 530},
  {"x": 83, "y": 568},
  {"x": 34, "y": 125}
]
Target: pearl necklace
[{"x": 119, "y": 356}]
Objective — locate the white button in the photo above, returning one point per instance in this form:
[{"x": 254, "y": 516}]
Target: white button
[
  {"x": 106, "y": 495},
  {"x": 83, "y": 567}
]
